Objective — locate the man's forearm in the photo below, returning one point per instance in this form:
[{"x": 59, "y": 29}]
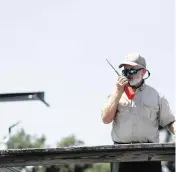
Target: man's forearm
[
  {"x": 110, "y": 108},
  {"x": 172, "y": 128}
]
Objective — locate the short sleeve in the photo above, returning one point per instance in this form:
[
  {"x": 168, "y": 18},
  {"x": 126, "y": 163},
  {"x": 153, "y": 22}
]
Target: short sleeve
[{"x": 166, "y": 115}]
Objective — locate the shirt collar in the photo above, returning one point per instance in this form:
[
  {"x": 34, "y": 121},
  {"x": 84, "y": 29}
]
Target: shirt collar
[{"x": 142, "y": 87}]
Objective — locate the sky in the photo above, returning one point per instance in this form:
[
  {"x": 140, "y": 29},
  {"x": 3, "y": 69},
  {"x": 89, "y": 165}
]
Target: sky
[{"x": 60, "y": 46}]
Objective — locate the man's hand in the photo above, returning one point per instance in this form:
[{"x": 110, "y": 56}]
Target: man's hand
[
  {"x": 172, "y": 127},
  {"x": 120, "y": 84},
  {"x": 110, "y": 108}
]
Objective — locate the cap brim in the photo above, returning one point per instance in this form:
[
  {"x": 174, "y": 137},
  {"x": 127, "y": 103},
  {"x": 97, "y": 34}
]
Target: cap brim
[{"x": 129, "y": 63}]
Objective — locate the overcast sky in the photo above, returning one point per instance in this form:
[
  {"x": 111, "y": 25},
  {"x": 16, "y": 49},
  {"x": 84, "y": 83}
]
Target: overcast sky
[{"x": 60, "y": 46}]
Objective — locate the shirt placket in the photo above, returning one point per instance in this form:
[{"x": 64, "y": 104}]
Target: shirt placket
[{"x": 134, "y": 116}]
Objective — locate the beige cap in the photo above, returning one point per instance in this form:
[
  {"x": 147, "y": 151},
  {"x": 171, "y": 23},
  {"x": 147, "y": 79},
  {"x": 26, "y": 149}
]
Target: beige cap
[{"x": 134, "y": 59}]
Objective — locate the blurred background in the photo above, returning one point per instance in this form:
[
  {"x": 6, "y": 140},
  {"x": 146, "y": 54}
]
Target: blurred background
[{"x": 59, "y": 47}]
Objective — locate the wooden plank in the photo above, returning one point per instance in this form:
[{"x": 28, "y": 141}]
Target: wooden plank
[{"x": 85, "y": 154}]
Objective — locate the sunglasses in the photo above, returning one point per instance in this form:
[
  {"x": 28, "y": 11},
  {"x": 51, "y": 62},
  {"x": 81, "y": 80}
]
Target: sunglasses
[{"x": 127, "y": 72}]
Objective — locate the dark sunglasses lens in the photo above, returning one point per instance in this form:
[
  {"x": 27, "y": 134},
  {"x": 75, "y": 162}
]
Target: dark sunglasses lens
[
  {"x": 125, "y": 71},
  {"x": 133, "y": 71},
  {"x": 129, "y": 71}
]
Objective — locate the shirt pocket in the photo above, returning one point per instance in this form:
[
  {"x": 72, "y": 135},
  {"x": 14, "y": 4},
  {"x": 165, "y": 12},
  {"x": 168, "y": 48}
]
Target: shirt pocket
[
  {"x": 150, "y": 109},
  {"x": 123, "y": 107},
  {"x": 123, "y": 112}
]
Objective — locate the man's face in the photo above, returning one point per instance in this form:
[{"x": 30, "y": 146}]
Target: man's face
[{"x": 134, "y": 74}]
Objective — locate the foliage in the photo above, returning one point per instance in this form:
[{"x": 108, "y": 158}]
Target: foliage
[
  {"x": 99, "y": 167},
  {"x": 70, "y": 141},
  {"x": 24, "y": 140}
]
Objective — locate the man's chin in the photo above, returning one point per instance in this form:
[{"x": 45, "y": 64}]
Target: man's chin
[{"x": 132, "y": 84}]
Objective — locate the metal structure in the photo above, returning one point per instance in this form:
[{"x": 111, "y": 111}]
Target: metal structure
[{"x": 25, "y": 96}]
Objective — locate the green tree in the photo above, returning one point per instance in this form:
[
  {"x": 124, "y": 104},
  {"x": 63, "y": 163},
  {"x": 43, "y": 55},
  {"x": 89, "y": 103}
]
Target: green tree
[
  {"x": 68, "y": 141},
  {"x": 99, "y": 167},
  {"x": 73, "y": 141},
  {"x": 23, "y": 140}
]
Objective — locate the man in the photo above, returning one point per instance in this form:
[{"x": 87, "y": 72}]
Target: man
[{"x": 136, "y": 120}]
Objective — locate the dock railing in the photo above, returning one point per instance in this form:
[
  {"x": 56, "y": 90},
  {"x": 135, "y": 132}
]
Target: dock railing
[{"x": 88, "y": 154}]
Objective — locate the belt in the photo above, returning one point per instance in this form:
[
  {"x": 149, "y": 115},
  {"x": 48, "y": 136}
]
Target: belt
[{"x": 131, "y": 142}]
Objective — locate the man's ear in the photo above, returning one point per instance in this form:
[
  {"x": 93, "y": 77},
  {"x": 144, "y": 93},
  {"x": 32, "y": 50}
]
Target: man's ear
[{"x": 144, "y": 71}]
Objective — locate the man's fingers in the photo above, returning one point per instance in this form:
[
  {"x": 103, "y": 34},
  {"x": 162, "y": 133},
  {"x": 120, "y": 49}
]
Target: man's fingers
[
  {"x": 126, "y": 82},
  {"x": 123, "y": 83},
  {"x": 121, "y": 80}
]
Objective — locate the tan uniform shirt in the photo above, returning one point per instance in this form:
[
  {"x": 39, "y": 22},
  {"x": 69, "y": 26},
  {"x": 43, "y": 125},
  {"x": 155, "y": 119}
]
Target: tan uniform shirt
[{"x": 137, "y": 120}]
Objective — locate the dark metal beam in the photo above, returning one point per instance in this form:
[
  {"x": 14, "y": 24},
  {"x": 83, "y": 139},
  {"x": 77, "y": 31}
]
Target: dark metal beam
[
  {"x": 92, "y": 154},
  {"x": 25, "y": 96}
]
